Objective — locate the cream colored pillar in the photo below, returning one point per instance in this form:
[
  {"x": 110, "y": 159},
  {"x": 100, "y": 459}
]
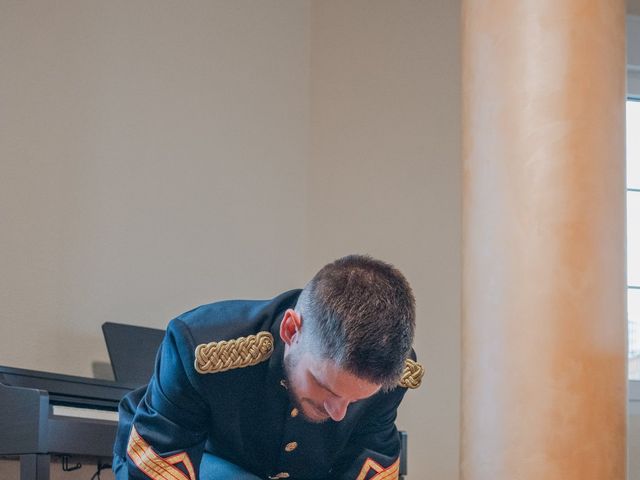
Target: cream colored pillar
[{"x": 544, "y": 324}]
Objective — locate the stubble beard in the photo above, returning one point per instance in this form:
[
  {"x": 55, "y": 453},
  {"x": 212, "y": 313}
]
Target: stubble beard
[{"x": 296, "y": 400}]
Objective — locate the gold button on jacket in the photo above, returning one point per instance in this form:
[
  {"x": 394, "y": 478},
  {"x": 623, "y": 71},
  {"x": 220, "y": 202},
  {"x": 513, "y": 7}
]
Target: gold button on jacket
[
  {"x": 279, "y": 475},
  {"x": 291, "y": 446}
]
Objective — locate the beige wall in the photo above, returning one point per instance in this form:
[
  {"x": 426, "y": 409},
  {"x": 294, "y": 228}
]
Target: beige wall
[
  {"x": 154, "y": 158},
  {"x": 158, "y": 156},
  {"x": 385, "y": 179}
]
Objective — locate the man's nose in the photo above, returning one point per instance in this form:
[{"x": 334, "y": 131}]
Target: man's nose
[{"x": 336, "y": 408}]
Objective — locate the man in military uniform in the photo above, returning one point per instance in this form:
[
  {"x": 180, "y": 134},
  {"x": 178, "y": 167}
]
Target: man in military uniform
[{"x": 303, "y": 386}]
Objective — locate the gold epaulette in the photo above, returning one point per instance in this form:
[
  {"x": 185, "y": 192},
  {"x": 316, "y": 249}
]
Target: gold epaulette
[
  {"x": 412, "y": 374},
  {"x": 226, "y": 355}
]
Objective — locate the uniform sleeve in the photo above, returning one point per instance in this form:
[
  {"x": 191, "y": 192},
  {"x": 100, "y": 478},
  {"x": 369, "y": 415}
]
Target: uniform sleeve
[
  {"x": 373, "y": 452},
  {"x": 168, "y": 429}
]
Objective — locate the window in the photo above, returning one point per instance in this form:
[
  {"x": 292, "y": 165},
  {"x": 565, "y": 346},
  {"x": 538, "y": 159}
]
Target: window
[{"x": 633, "y": 235}]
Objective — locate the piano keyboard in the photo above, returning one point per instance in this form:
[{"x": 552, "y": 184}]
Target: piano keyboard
[{"x": 87, "y": 413}]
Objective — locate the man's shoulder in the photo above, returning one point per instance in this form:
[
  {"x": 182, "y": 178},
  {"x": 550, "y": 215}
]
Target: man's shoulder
[{"x": 230, "y": 319}]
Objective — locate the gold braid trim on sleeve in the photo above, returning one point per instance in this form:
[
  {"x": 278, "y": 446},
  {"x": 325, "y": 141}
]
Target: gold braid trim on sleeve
[
  {"x": 381, "y": 473},
  {"x": 237, "y": 353},
  {"x": 153, "y": 465},
  {"x": 412, "y": 374}
]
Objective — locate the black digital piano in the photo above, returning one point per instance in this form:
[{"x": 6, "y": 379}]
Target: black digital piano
[{"x": 44, "y": 415}]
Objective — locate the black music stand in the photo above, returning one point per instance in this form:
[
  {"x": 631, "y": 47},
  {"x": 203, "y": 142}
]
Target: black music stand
[{"x": 132, "y": 351}]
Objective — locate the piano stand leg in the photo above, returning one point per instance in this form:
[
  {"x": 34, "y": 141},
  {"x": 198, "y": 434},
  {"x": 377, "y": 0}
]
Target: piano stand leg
[{"x": 34, "y": 467}]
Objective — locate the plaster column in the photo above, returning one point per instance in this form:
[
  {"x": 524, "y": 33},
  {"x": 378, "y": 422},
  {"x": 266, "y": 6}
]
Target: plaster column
[{"x": 544, "y": 322}]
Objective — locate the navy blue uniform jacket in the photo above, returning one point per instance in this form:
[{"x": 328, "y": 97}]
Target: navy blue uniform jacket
[{"x": 244, "y": 415}]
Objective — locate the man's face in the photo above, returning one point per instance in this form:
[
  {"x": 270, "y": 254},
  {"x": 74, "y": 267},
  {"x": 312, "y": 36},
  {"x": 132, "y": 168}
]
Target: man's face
[{"x": 319, "y": 388}]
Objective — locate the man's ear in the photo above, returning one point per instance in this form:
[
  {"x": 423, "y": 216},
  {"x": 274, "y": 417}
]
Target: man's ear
[{"x": 290, "y": 326}]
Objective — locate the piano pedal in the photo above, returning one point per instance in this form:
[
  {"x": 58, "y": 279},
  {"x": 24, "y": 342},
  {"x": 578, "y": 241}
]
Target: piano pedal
[{"x": 66, "y": 467}]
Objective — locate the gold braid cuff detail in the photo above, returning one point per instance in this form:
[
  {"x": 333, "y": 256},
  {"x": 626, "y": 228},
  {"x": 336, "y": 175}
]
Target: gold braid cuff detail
[
  {"x": 412, "y": 374},
  {"x": 229, "y": 354}
]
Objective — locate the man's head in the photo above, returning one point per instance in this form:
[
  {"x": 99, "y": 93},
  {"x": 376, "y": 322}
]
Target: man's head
[{"x": 349, "y": 335}]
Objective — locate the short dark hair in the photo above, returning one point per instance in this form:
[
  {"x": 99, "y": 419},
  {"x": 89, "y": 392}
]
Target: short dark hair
[{"x": 360, "y": 313}]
